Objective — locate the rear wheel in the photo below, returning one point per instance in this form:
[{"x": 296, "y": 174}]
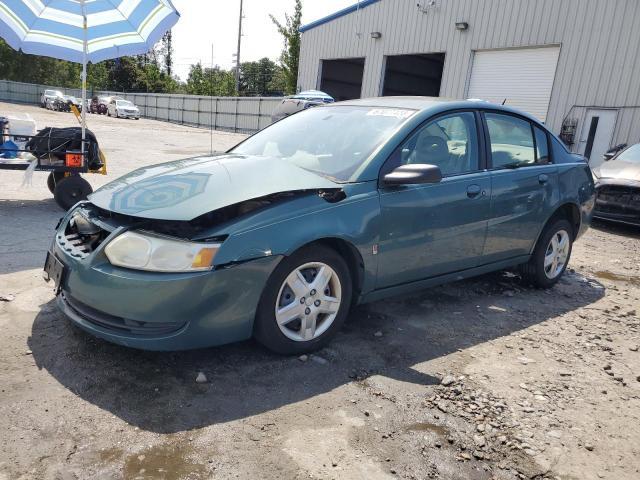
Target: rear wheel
[
  {"x": 305, "y": 301},
  {"x": 551, "y": 255},
  {"x": 53, "y": 179},
  {"x": 71, "y": 190}
]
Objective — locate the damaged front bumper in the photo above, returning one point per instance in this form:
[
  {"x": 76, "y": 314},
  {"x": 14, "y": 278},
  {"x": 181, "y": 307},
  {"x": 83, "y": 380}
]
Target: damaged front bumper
[
  {"x": 618, "y": 201},
  {"x": 158, "y": 311}
]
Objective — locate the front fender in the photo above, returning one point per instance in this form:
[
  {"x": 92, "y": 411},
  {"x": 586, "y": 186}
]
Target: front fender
[{"x": 354, "y": 220}]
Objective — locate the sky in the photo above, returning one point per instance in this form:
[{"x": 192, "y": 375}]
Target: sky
[{"x": 206, "y": 22}]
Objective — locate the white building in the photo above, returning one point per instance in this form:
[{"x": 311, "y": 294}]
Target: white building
[{"x": 573, "y": 63}]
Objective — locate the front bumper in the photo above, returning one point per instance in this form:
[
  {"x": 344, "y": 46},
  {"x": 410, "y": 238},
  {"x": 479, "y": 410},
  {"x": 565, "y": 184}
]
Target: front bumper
[
  {"x": 160, "y": 311},
  {"x": 618, "y": 201}
]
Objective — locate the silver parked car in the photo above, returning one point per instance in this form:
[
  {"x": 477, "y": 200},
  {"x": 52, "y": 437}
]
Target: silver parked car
[{"x": 300, "y": 101}]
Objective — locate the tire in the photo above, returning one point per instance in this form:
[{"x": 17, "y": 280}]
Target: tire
[
  {"x": 53, "y": 179},
  {"x": 71, "y": 190},
  {"x": 292, "y": 338},
  {"x": 539, "y": 271}
]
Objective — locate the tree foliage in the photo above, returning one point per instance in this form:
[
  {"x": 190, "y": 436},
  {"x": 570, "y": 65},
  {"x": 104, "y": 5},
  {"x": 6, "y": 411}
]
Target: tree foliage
[{"x": 290, "y": 57}]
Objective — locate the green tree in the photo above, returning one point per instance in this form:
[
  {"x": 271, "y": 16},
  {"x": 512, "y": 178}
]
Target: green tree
[
  {"x": 257, "y": 78},
  {"x": 290, "y": 57}
]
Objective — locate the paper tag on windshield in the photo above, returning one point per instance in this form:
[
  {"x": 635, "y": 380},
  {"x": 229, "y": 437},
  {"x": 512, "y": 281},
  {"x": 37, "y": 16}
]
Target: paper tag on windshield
[{"x": 390, "y": 112}]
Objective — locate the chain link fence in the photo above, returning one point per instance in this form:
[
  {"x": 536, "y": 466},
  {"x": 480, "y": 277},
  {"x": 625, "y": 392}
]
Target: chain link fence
[{"x": 233, "y": 114}]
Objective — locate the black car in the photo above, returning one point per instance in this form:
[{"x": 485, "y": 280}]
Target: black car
[{"x": 618, "y": 187}]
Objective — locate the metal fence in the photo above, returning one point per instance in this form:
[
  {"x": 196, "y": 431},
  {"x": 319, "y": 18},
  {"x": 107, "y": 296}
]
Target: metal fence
[{"x": 234, "y": 114}]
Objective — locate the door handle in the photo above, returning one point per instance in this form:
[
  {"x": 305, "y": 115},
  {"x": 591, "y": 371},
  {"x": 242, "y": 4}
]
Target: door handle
[
  {"x": 543, "y": 179},
  {"x": 473, "y": 191}
]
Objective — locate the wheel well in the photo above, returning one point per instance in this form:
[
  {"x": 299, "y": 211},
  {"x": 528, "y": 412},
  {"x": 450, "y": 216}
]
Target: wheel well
[
  {"x": 570, "y": 212},
  {"x": 353, "y": 258}
]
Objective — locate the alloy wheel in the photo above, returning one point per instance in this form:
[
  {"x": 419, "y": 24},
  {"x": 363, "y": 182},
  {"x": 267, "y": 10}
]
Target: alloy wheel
[
  {"x": 556, "y": 254},
  {"x": 308, "y": 301}
]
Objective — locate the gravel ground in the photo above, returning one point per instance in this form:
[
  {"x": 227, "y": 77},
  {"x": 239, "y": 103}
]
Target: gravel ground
[{"x": 478, "y": 379}]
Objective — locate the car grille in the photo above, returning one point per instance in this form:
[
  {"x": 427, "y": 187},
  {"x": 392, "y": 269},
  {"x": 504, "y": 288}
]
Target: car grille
[
  {"x": 119, "y": 324},
  {"x": 618, "y": 200},
  {"x": 77, "y": 244}
]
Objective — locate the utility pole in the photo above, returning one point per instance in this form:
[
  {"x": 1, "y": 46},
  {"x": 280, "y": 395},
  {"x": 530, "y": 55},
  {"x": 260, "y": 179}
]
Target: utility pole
[{"x": 238, "y": 51}]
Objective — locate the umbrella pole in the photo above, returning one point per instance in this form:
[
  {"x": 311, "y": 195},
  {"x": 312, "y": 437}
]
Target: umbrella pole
[{"x": 84, "y": 75}]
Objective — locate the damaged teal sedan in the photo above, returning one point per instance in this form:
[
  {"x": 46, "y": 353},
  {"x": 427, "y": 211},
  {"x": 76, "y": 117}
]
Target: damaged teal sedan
[{"x": 335, "y": 206}]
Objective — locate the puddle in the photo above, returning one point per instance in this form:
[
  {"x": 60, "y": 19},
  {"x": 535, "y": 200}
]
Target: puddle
[
  {"x": 162, "y": 462},
  {"x": 614, "y": 277},
  {"x": 428, "y": 427},
  {"x": 109, "y": 455}
]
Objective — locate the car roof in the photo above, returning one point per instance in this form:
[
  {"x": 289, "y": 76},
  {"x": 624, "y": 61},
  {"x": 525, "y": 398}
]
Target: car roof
[{"x": 437, "y": 104}]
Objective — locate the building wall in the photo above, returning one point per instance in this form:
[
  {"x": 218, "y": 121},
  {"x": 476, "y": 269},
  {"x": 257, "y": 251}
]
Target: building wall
[{"x": 599, "y": 40}]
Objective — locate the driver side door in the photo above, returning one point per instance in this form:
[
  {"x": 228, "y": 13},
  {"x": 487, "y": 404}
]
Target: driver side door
[{"x": 434, "y": 229}]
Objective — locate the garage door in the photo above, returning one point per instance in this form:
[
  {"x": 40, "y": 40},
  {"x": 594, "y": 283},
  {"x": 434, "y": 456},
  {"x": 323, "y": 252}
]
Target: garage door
[{"x": 523, "y": 77}]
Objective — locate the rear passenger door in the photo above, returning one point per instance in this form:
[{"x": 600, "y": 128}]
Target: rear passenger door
[{"x": 524, "y": 184}]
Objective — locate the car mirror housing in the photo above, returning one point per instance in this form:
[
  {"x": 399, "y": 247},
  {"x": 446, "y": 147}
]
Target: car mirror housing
[{"x": 414, "y": 174}]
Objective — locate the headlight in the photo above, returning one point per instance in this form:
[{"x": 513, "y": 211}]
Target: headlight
[{"x": 155, "y": 253}]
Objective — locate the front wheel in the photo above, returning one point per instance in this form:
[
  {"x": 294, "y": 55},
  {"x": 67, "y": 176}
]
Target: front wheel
[
  {"x": 551, "y": 255},
  {"x": 305, "y": 302}
]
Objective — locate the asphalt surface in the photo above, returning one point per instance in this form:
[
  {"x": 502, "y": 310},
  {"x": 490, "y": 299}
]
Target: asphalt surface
[{"x": 478, "y": 379}]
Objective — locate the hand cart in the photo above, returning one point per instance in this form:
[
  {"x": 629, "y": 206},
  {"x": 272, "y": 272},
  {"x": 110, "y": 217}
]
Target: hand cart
[{"x": 64, "y": 161}]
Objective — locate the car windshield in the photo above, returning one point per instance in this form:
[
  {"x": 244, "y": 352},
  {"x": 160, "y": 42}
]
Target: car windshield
[
  {"x": 53, "y": 93},
  {"x": 631, "y": 154},
  {"x": 124, "y": 103},
  {"x": 331, "y": 141}
]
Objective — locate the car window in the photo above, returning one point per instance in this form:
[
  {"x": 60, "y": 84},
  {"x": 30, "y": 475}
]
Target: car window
[
  {"x": 542, "y": 146},
  {"x": 511, "y": 141},
  {"x": 450, "y": 142},
  {"x": 631, "y": 154},
  {"x": 333, "y": 141}
]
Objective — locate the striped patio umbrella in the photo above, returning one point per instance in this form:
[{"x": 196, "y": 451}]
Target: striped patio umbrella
[{"x": 85, "y": 30}]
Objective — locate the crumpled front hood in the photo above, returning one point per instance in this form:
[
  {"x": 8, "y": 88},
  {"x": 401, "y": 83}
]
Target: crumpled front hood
[
  {"x": 186, "y": 189},
  {"x": 616, "y": 169}
]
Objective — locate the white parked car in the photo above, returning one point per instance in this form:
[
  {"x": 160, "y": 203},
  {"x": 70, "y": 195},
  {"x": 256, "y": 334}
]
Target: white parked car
[
  {"x": 49, "y": 97},
  {"x": 123, "y": 108}
]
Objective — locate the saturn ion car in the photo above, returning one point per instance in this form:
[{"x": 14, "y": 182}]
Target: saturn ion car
[{"x": 334, "y": 206}]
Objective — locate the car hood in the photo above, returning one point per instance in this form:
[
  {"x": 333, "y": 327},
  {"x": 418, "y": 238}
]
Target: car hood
[
  {"x": 619, "y": 170},
  {"x": 186, "y": 189}
]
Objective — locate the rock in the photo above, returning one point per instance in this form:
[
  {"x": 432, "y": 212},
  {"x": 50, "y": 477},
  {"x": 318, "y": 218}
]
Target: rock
[
  {"x": 607, "y": 367},
  {"x": 564, "y": 373},
  {"x": 320, "y": 360},
  {"x": 442, "y": 407},
  {"x": 465, "y": 456},
  {"x": 480, "y": 427},
  {"x": 377, "y": 334},
  {"x": 634, "y": 348},
  {"x": 7, "y": 298},
  {"x": 554, "y": 434},
  {"x": 28, "y": 352},
  {"x": 201, "y": 378},
  {"x": 589, "y": 447},
  {"x": 478, "y": 454},
  {"x": 525, "y": 360},
  {"x": 479, "y": 440},
  {"x": 303, "y": 358},
  {"x": 448, "y": 380}
]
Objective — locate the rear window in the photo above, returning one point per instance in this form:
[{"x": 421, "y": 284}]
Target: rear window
[{"x": 511, "y": 141}]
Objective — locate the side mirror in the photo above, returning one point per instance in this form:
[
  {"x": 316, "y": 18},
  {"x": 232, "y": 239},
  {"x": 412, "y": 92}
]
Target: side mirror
[
  {"x": 609, "y": 155},
  {"x": 414, "y": 174}
]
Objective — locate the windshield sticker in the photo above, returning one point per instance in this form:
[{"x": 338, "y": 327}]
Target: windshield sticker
[{"x": 390, "y": 112}]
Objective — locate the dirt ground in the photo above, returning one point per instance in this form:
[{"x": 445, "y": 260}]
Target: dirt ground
[{"x": 479, "y": 379}]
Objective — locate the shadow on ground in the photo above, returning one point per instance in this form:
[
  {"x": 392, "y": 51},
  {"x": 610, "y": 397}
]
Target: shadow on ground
[
  {"x": 617, "y": 229},
  {"x": 26, "y": 231},
  {"x": 158, "y": 392}
]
